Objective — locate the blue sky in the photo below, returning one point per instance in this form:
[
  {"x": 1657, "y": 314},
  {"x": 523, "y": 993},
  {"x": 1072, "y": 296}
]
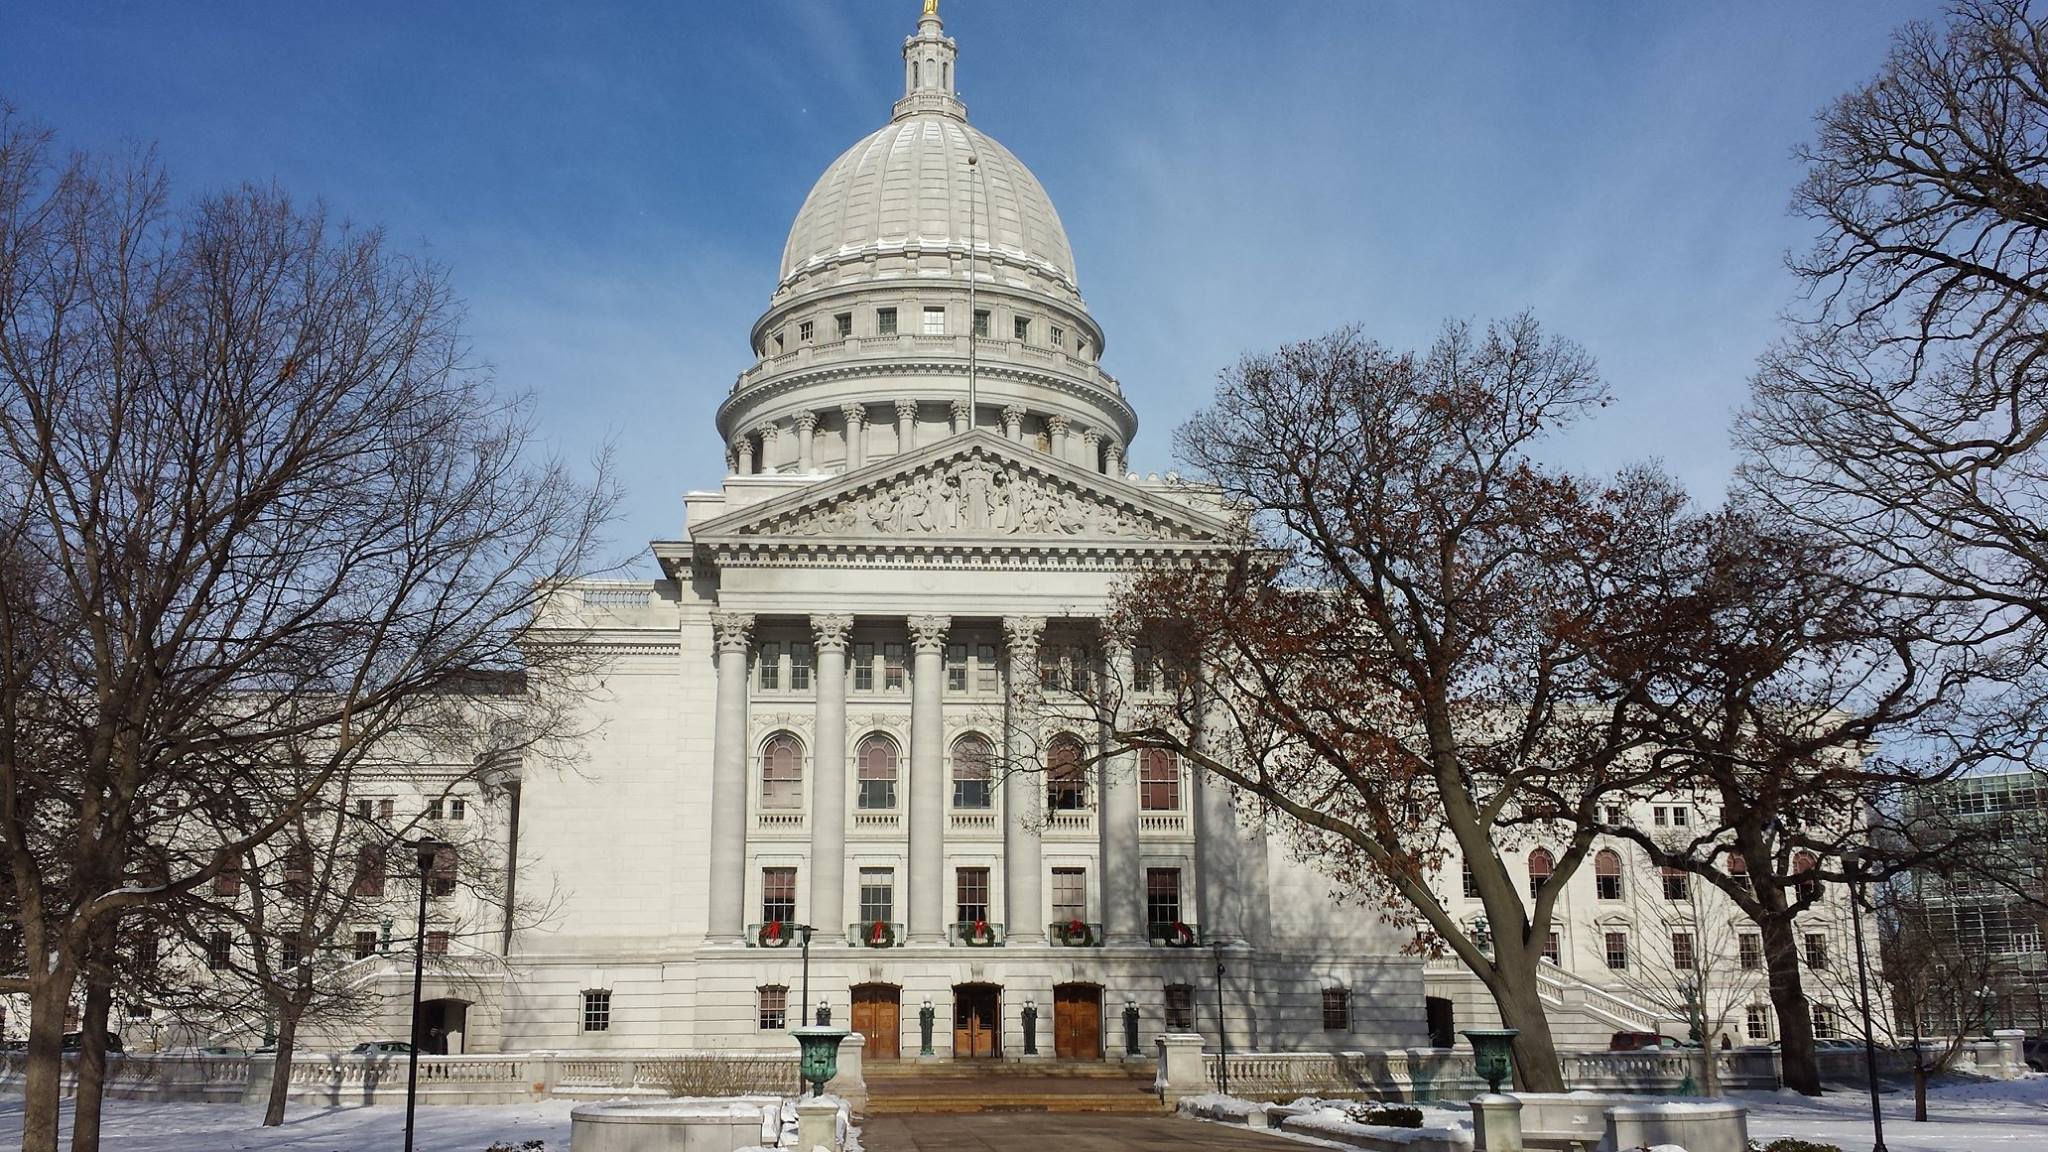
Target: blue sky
[{"x": 610, "y": 183}]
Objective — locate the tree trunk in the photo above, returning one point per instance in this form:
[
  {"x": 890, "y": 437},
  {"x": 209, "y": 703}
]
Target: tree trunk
[
  {"x": 92, "y": 1055},
  {"x": 1516, "y": 997},
  {"x": 43, "y": 1092},
  {"x": 281, "y": 1067},
  {"x": 1798, "y": 1067}
]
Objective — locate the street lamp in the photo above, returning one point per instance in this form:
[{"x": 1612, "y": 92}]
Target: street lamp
[
  {"x": 803, "y": 936},
  {"x": 1852, "y": 863},
  {"x": 426, "y": 850},
  {"x": 1222, "y": 1030}
]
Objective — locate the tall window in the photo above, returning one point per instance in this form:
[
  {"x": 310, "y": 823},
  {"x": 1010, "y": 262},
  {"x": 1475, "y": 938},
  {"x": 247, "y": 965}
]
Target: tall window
[
  {"x": 1816, "y": 951},
  {"x": 877, "y": 757},
  {"x": 1681, "y": 951},
  {"x": 1823, "y": 1022},
  {"x": 370, "y": 870},
  {"x": 778, "y": 895},
  {"x": 782, "y": 773},
  {"x": 1180, "y": 1007},
  {"x": 441, "y": 874},
  {"x": 437, "y": 943},
  {"x": 597, "y": 1010},
  {"x": 892, "y": 667},
  {"x": 1551, "y": 949},
  {"x": 864, "y": 667},
  {"x": 1607, "y": 874},
  {"x": 1162, "y": 899},
  {"x": 1617, "y": 950},
  {"x": 800, "y": 666},
  {"x": 1066, "y": 789},
  {"x": 981, "y": 322},
  {"x": 1757, "y": 1022},
  {"x": 771, "y": 1003},
  {"x": 1158, "y": 780},
  {"x": 1467, "y": 881},
  {"x": 1336, "y": 1010},
  {"x": 364, "y": 944},
  {"x": 970, "y": 888},
  {"x": 1541, "y": 865},
  {"x": 1056, "y": 336},
  {"x": 1806, "y": 868},
  {"x": 1677, "y": 885},
  {"x": 877, "y": 895},
  {"x": 842, "y": 324},
  {"x": 935, "y": 322},
  {"x": 985, "y": 668},
  {"x": 956, "y": 667},
  {"x": 229, "y": 881},
  {"x": 885, "y": 321},
  {"x": 1051, "y": 671},
  {"x": 770, "y": 662},
  {"x": 1069, "y": 895},
  {"x": 1020, "y": 327},
  {"x": 1750, "y": 950},
  {"x": 219, "y": 951},
  {"x": 804, "y": 330},
  {"x": 971, "y": 757},
  {"x": 1141, "y": 668}
]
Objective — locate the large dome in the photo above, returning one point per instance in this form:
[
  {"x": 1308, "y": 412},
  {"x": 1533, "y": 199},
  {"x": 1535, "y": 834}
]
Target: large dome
[{"x": 908, "y": 187}]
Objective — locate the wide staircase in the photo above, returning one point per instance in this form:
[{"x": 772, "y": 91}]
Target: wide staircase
[{"x": 901, "y": 1088}]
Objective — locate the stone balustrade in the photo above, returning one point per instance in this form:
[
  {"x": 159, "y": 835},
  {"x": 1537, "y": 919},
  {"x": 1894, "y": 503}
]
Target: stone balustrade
[{"x": 1447, "y": 1074}]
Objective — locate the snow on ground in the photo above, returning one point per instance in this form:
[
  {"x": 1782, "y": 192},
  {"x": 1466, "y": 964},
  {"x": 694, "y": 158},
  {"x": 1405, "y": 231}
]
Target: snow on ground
[
  {"x": 1962, "y": 1116},
  {"x": 139, "y": 1126}
]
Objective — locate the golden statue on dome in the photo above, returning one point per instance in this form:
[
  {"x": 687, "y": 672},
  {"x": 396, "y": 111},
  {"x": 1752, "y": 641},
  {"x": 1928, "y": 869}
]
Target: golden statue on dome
[{"x": 931, "y": 7}]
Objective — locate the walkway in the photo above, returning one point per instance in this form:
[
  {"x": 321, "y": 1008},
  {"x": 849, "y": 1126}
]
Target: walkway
[{"x": 1070, "y": 1132}]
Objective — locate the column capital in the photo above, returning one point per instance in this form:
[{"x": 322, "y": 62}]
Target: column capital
[
  {"x": 854, "y": 413},
  {"x": 770, "y": 433},
  {"x": 963, "y": 414},
  {"x": 1058, "y": 424},
  {"x": 1013, "y": 412},
  {"x": 735, "y": 630},
  {"x": 830, "y": 631},
  {"x": 1090, "y": 437},
  {"x": 1022, "y": 633},
  {"x": 928, "y": 633},
  {"x": 906, "y": 409},
  {"x": 806, "y": 420}
]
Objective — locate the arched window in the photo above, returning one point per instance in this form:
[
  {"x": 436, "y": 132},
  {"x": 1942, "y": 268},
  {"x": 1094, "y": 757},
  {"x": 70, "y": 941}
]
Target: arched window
[
  {"x": 1803, "y": 865},
  {"x": 782, "y": 772},
  {"x": 1066, "y": 788},
  {"x": 971, "y": 757},
  {"x": 1607, "y": 874},
  {"x": 1541, "y": 865},
  {"x": 876, "y": 757},
  {"x": 1158, "y": 780}
]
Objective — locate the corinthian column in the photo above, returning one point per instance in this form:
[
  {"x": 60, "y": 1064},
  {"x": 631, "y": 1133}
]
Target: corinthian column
[
  {"x": 1059, "y": 426},
  {"x": 1023, "y": 792},
  {"x": 928, "y": 780},
  {"x": 806, "y": 438},
  {"x": 728, "y": 910},
  {"x": 856, "y": 435},
  {"x": 906, "y": 425},
  {"x": 828, "y": 776},
  {"x": 1123, "y": 900},
  {"x": 1219, "y": 888}
]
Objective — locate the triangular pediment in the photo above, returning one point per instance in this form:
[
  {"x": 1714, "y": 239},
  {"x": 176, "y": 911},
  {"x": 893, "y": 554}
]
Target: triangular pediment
[{"x": 972, "y": 487}]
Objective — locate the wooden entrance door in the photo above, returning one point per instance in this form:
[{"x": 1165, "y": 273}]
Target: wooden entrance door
[
  {"x": 878, "y": 1015},
  {"x": 977, "y": 1021},
  {"x": 1077, "y": 1022}
]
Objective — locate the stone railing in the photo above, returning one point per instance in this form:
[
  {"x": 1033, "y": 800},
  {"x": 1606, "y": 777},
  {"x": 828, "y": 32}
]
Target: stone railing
[{"x": 1447, "y": 1073}]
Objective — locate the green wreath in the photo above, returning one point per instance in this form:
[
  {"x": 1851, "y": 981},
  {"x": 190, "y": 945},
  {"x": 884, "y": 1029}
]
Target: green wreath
[
  {"x": 772, "y": 935},
  {"x": 881, "y": 934},
  {"x": 980, "y": 935},
  {"x": 1076, "y": 934}
]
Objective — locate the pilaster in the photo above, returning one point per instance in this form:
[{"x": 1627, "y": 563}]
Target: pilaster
[
  {"x": 828, "y": 776},
  {"x": 1023, "y": 791},
  {"x": 734, "y": 632},
  {"x": 928, "y": 780}
]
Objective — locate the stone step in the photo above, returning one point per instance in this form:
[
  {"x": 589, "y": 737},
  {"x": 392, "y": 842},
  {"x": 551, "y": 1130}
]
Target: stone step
[
  {"x": 900, "y": 1104},
  {"x": 909, "y": 1073}
]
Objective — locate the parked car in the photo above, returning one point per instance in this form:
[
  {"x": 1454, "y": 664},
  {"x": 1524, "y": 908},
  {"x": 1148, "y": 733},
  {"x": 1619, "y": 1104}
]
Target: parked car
[
  {"x": 381, "y": 1048},
  {"x": 1635, "y": 1041},
  {"x": 73, "y": 1041},
  {"x": 2036, "y": 1051},
  {"x": 206, "y": 1050}
]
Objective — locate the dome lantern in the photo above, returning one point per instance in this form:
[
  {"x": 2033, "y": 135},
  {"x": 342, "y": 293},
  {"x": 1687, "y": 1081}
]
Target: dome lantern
[{"x": 928, "y": 59}]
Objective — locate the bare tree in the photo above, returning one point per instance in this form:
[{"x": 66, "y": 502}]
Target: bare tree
[
  {"x": 264, "y": 508},
  {"x": 1397, "y": 665}
]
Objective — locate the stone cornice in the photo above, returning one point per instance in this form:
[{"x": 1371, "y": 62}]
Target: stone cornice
[{"x": 758, "y": 396}]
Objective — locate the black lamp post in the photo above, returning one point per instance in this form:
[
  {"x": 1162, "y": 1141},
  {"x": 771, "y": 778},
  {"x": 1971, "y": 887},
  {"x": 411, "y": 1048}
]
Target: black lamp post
[
  {"x": 1222, "y": 1030},
  {"x": 426, "y": 850},
  {"x": 1852, "y": 861},
  {"x": 803, "y": 938}
]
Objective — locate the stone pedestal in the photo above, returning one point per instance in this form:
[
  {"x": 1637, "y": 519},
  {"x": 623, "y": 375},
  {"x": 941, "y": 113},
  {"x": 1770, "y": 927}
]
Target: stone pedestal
[
  {"x": 851, "y": 1083},
  {"x": 1496, "y": 1123},
  {"x": 817, "y": 1125},
  {"x": 1180, "y": 1067},
  {"x": 2012, "y": 1043}
]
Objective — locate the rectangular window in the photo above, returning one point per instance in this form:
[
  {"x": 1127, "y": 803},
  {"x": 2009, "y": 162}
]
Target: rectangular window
[
  {"x": 1681, "y": 951},
  {"x": 1162, "y": 899},
  {"x": 935, "y": 322},
  {"x": 441, "y": 874},
  {"x": 597, "y": 1010},
  {"x": 1158, "y": 781},
  {"x": 437, "y": 943},
  {"x": 219, "y": 951},
  {"x": 1677, "y": 885},
  {"x": 1069, "y": 895},
  {"x": 981, "y": 323},
  {"x": 363, "y": 811},
  {"x": 885, "y": 321},
  {"x": 434, "y": 809},
  {"x": 229, "y": 882},
  {"x": 892, "y": 667},
  {"x": 370, "y": 870},
  {"x": 1657, "y": 816},
  {"x": 971, "y": 892},
  {"x": 778, "y": 895},
  {"x": 1079, "y": 673},
  {"x": 843, "y": 324},
  {"x": 1551, "y": 951},
  {"x": 1057, "y": 336},
  {"x": 956, "y": 667},
  {"x": 365, "y": 945},
  {"x": 1680, "y": 817},
  {"x": 384, "y": 808},
  {"x": 800, "y": 667},
  {"x": 1050, "y": 672},
  {"x": 1470, "y": 882},
  {"x": 877, "y": 895},
  {"x": 1336, "y": 1010},
  {"x": 1020, "y": 327},
  {"x": 1757, "y": 1022},
  {"x": 1180, "y": 1007},
  {"x": 458, "y": 808},
  {"x": 770, "y": 661},
  {"x": 772, "y": 1005},
  {"x": 1607, "y": 887},
  {"x": 1751, "y": 951},
  {"x": 288, "y": 953},
  {"x": 1816, "y": 951},
  {"x": 1141, "y": 669},
  {"x": 805, "y": 330},
  {"x": 1823, "y": 1022},
  {"x": 985, "y": 668},
  {"x": 778, "y": 342},
  {"x": 1617, "y": 950},
  {"x": 864, "y": 667}
]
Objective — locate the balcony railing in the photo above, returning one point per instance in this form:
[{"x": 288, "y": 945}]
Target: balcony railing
[
  {"x": 1070, "y": 820},
  {"x": 780, "y": 819},
  {"x": 1163, "y": 823},
  {"x": 875, "y": 821},
  {"x": 1075, "y": 933},
  {"x": 1178, "y": 934},
  {"x": 976, "y": 934},
  {"x": 875, "y": 934},
  {"x": 973, "y": 821},
  {"x": 775, "y": 934}
]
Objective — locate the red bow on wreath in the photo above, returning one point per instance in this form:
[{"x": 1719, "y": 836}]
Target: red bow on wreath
[
  {"x": 774, "y": 930},
  {"x": 876, "y": 933}
]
